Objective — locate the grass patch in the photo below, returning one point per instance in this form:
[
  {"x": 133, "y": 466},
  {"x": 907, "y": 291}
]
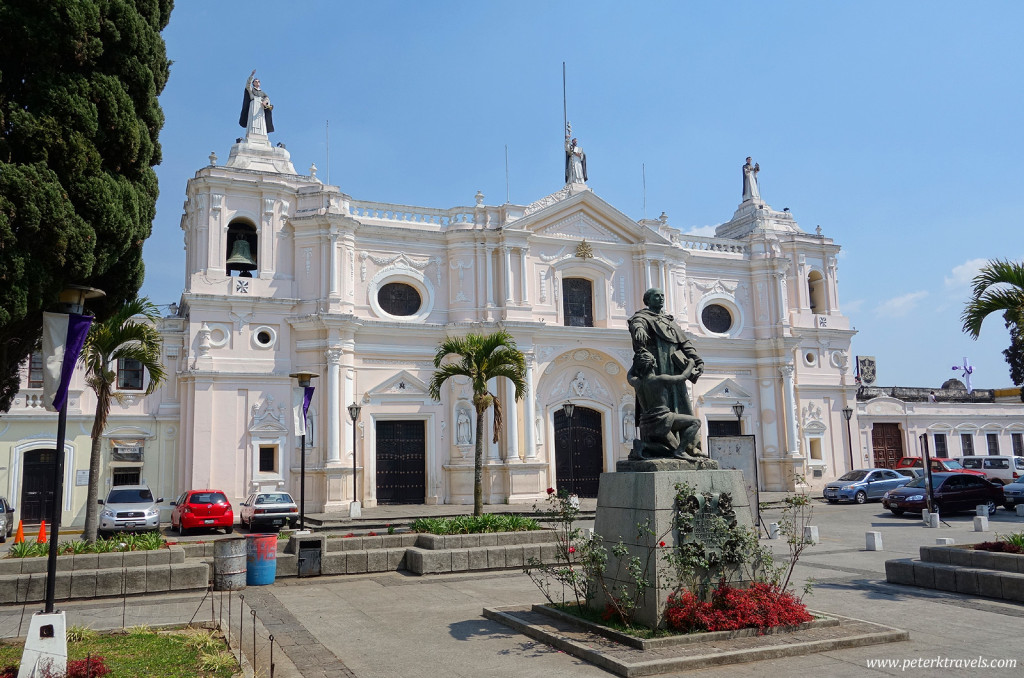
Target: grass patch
[
  {"x": 488, "y": 522},
  {"x": 168, "y": 654}
]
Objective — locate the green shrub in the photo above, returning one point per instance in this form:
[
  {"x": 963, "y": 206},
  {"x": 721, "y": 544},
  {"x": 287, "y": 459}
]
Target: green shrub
[{"x": 488, "y": 522}]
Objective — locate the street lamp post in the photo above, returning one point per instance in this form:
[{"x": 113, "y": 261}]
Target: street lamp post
[
  {"x": 307, "y": 392},
  {"x": 848, "y": 414},
  {"x": 737, "y": 409},
  {"x": 72, "y": 301},
  {"x": 355, "y": 509},
  {"x": 569, "y": 408}
]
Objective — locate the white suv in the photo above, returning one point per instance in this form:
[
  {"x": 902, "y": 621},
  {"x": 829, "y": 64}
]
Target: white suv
[
  {"x": 129, "y": 508},
  {"x": 999, "y": 468}
]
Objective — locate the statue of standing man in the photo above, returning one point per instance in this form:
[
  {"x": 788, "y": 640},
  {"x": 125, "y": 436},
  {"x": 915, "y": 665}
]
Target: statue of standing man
[
  {"x": 257, "y": 116},
  {"x": 664, "y": 361},
  {"x": 575, "y": 161},
  {"x": 750, "y": 189}
]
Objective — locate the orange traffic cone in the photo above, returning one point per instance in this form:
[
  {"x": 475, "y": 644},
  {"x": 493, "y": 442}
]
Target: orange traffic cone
[
  {"x": 19, "y": 537},
  {"x": 42, "y": 532}
]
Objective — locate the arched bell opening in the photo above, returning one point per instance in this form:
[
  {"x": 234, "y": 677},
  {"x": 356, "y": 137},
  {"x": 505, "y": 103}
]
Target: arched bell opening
[{"x": 242, "y": 248}]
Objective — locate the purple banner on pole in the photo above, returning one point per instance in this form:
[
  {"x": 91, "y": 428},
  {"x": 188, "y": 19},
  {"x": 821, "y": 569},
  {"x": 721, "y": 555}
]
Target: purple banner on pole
[
  {"x": 307, "y": 397},
  {"x": 63, "y": 338}
]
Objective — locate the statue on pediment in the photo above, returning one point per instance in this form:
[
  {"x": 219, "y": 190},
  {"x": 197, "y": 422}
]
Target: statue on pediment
[
  {"x": 257, "y": 116},
  {"x": 575, "y": 161},
  {"x": 750, "y": 189}
]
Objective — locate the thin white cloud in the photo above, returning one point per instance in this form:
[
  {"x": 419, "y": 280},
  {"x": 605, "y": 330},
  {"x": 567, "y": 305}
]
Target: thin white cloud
[
  {"x": 703, "y": 231},
  {"x": 961, "y": 276},
  {"x": 897, "y": 307},
  {"x": 854, "y": 306}
]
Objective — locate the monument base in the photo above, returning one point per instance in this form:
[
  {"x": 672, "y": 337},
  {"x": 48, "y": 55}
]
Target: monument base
[
  {"x": 657, "y": 464},
  {"x": 627, "y": 499},
  {"x": 46, "y": 646}
]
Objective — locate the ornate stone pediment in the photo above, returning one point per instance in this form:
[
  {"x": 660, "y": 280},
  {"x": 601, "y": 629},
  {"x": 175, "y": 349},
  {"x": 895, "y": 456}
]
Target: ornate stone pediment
[
  {"x": 402, "y": 384},
  {"x": 726, "y": 390},
  {"x": 267, "y": 416},
  {"x": 885, "y": 405}
]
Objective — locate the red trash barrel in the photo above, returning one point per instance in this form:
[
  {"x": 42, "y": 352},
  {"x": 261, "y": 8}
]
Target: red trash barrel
[{"x": 261, "y": 559}]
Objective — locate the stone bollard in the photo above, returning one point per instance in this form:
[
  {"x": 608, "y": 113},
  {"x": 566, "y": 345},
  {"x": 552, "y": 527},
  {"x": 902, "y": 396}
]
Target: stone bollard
[
  {"x": 924, "y": 517},
  {"x": 933, "y": 520},
  {"x": 981, "y": 523},
  {"x": 981, "y": 510},
  {"x": 1020, "y": 510},
  {"x": 944, "y": 541},
  {"x": 811, "y": 534},
  {"x": 773, "y": 530},
  {"x": 873, "y": 541}
]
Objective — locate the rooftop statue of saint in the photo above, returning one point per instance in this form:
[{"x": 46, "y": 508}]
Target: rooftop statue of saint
[
  {"x": 750, "y": 189},
  {"x": 664, "y": 360},
  {"x": 575, "y": 162},
  {"x": 257, "y": 116}
]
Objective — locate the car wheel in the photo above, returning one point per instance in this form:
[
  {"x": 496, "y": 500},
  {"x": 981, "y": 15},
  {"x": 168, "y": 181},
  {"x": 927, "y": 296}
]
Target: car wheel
[
  {"x": 938, "y": 509},
  {"x": 229, "y": 529},
  {"x": 992, "y": 507},
  {"x": 897, "y": 511},
  {"x": 1010, "y": 506},
  {"x": 861, "y": 497},
  {"x": 833, "y": 501}
]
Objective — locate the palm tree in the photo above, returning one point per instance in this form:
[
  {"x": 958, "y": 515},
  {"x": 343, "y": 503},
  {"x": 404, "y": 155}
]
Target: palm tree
[
  {"x": 120, "y": 337},
  {"x": 999, "y": 286},
  {"x": 481, "y": 358}
]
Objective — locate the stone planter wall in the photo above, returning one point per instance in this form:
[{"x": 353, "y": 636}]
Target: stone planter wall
[{"x": 961, "y": 569}]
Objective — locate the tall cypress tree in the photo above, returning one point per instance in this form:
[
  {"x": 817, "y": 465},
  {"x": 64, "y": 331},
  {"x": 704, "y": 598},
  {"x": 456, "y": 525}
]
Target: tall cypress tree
[
  {"x": 1014, "y": 355},
  {"x": 79, "y": 120}
]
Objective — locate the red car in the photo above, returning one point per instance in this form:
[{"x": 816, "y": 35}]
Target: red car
[
  {"x": 939, "y": 465},
  {"x": 202, "y": 508}
]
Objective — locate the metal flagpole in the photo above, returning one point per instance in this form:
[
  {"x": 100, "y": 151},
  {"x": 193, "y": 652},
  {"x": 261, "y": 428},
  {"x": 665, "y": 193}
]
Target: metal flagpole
[
  {"x": 643, "y": 174},
  {"x": 565, "y": 118},
  {"x": 328, "y": 152},
  {"x": 507, "y": 200}
]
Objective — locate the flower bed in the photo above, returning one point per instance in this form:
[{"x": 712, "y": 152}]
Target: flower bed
[
  {"x": 1009, "y": 543},
  {"x": 488, "y": 522},
  {"x": 761, "y": 606},
  {"x": 142, "y": 541}
]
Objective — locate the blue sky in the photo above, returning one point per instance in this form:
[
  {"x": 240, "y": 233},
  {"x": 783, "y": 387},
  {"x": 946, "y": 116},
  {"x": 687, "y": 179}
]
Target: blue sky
[{"x": 893, "y": 126}]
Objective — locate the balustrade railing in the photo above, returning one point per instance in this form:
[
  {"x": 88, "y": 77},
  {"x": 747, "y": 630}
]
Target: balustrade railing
[{"x": 406, "y": 214}]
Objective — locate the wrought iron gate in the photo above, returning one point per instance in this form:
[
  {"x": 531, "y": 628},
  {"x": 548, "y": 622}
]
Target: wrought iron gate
[{"x": 401, "y": 462}]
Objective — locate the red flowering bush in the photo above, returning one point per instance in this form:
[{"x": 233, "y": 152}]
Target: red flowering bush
[
  {"x": 87, "y": 668},
  {"x": 998, "y": 547},
  {"x": 761, "y": 606}
]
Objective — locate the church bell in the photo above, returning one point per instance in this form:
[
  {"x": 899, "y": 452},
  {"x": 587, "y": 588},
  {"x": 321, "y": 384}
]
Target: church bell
[{"x": 241, "y": 258}]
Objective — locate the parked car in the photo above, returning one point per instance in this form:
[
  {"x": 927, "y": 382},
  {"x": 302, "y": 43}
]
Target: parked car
[
  {"x": 272, "y": 509},
  {"x": 202, "y": 508},
  {"x": 6, "y": 519},
  {"x": 862, "y": 484},
  {"x": 911, "y": 472},
  {"x": 129, "y": 508},
  {"x": 952, "y": 492},
  {"x": 1013, "y": 494},
  {"x": 939, "y": 465},
  {"x": 999, "y": 468}
]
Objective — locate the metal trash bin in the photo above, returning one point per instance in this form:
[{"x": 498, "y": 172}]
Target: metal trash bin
[
  {"x": 261, "y": 559},
  {"x": 229, "y": 566}
]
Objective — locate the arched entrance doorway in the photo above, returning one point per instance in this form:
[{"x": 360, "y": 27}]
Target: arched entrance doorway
[
  {"x": 579, "y": 451},
  {"x": 887, "y": 444},
  {"x": 37, "y": 485}
]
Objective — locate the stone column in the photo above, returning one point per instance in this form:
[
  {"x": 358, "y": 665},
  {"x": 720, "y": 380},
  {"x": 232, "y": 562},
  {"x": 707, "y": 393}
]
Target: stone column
[
  {"x": 333, "y": 407},
  {"x": 789, "y": 395},
  {"x": 333, "y": 263},
  {"x": 528, "y": 407},
  {"x": 524, "y": 295},
  {"x": 488, "y": 276},
  {"x": 511, "y": 422},
  {"x": 647, "y": 275},
  {"x": 492, "y": 448},
  {"x": 780, "y": 290},
  {"x": 506, "y": 254}
]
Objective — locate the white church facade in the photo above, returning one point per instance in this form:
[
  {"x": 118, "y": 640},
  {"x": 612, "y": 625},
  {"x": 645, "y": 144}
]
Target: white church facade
[{"x": 361, "y": 293}]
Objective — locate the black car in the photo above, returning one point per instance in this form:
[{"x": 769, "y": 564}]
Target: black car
[{"x": 952, "y": 492}]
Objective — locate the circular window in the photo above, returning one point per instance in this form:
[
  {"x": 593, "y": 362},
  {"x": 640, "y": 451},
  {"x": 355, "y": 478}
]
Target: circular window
[
  {"x": 399, "y": 299},
  {"x": 716, "y": 318},
  {"x": 264, "y": 337}
]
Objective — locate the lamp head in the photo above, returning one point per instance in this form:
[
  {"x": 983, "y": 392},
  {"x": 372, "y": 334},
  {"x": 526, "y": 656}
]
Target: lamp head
[
  {"x": 568, "y": 409},
  {"x": 737, "y": 409},
  {"x": 848, "y": 412},
  {"x": 353, "y": 411},
  {"x": 303, "y": 377}
]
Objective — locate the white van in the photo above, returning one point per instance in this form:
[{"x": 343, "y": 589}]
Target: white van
[{"x": 999, "y": 468}]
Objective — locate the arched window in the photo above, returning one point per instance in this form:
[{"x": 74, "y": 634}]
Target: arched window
[
  {"x": 241, "y": 249},
  {"x": 578, "y": 302},
  {"x": 816, "y": 291}
]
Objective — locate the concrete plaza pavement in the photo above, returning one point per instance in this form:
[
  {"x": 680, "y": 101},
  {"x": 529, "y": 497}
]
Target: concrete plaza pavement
[{"x": 396, "y": 624}]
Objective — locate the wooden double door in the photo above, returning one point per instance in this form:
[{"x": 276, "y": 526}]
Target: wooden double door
[
  {"x": 579, "y": 451},
  {"x": 401, "y": 462},
  {"x": 886, "y": 444}
]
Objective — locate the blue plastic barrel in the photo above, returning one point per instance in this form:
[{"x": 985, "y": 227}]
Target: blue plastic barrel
[{"x": 260, "y": 559}]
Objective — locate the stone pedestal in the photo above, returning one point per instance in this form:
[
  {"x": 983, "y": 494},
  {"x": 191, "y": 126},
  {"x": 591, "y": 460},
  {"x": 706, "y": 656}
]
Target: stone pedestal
[
  {"x": 46, "y": 646},
  {"x": 627, "y": 499}
]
